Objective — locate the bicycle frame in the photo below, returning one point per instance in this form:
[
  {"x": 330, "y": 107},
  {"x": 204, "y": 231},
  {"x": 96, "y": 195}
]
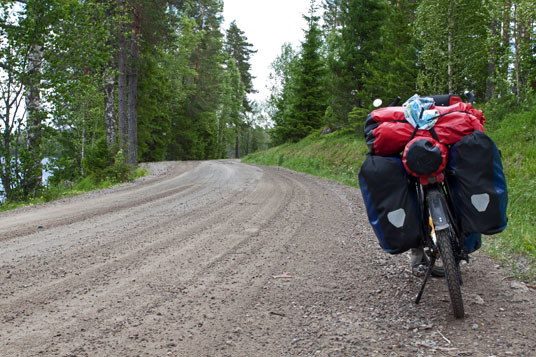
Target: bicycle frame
[{"x": 437, "y": 208}]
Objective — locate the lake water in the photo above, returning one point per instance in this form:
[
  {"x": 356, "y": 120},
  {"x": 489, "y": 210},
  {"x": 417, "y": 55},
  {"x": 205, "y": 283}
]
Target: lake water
[{"x": 46, "y": 175}]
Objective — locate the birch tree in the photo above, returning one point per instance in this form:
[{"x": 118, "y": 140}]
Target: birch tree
[{"x": 453, "y": 56}]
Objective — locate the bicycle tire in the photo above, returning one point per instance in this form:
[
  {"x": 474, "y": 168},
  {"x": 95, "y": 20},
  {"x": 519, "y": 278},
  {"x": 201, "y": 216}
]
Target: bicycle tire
[{"x": 451, "y": 272}]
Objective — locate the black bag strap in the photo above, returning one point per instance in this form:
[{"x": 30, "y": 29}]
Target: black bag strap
[
  {"x": 434, "y": 134},
  {"x": 413, "y": 134},
  {"x": 431, "y": 130}
]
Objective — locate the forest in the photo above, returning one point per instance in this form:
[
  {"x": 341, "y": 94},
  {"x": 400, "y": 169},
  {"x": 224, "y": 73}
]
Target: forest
[
  {"x": 357, "y": 51},
  {"x": 91, "y": 88}
]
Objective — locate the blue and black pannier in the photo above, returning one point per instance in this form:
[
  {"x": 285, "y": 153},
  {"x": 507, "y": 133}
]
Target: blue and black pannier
[
  {"x": 391, "y": 202},
  {"x": 473, "y": 242},
  {"x": 475, "y": 177}
]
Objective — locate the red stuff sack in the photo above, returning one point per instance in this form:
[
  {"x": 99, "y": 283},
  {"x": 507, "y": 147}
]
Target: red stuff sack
[
  {"x": 387, "y": 132},
  {"x": 425, "y": 158}
]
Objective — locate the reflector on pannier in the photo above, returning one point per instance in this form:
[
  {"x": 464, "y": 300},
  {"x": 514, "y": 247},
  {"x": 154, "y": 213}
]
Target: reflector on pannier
[
  {"x": 476, "y": 179},
  {"x": 391, "y": 202}
]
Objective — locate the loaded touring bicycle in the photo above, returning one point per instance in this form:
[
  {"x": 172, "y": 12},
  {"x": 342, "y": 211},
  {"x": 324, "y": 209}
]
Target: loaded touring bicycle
[{"x": 433, "y": 180}]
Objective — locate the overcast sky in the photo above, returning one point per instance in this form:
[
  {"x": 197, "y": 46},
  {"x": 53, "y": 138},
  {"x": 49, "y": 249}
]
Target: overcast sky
[{"x": 267, "y": 24}]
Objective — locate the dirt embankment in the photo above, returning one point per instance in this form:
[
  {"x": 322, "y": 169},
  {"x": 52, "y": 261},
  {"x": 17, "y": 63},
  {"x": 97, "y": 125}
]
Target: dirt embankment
[{"x": 219, "y": 258}]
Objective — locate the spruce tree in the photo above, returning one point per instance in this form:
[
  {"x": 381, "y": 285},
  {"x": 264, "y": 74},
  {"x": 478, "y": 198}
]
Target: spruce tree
[
  {"x": 308, "y": 105},
  {"x": 282, "y": 89},
  {"x": 352, "y": 43},
  {"x": 155, "y": 98},
  {"x": 394, "y": 69}
]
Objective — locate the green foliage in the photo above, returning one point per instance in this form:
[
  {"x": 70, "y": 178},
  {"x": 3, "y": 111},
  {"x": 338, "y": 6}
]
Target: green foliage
[
  {"x": 393, "y": 72},
  {"x": 357, "y": 117},
  {"x": 510, "y": 42},
  {"x": 140, "y": 172},
  {"x": 306, "y": 108},
  {"x": 453, "y": 56},
  {"x": 516, "y": 137},
  {"x": 352, "y": 46},
  {"x": 194, "y": 124},
  {"x": 238, "y": 48},
  {"x": 253, "y": 138},
  {"x": 309, "y": 103},
  {"x": 154, "y": 97},
  {"x": 231, "y": 115},
  {"x": 102, "y": 167},
  {"x": 282, "y": 91}
]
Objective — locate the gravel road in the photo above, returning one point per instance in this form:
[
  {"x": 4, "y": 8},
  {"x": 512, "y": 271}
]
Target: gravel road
[{"x": 220, "y": 258}]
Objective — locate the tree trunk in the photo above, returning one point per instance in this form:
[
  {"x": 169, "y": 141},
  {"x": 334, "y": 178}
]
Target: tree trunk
[
  {"x": 110, "y": 124},
  {"x": 5, "y": 167},
  {"x": 450, "y": 49},
  {"x": 237, "y": 149},
  {"x": 517, "y": 38},
  {"x": 506, "y": 25},
  {"x": 34, "y": 173},
  {"x": 490, "y": 85},
  {"x": 122, "y": 89},
  {"x": 109, "y": 111},
  {"x": 133, "y": 93}
]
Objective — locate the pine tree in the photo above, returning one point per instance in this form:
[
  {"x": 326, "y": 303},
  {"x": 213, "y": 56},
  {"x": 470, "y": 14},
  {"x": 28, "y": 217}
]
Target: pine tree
[
  {"x": 238, "y": 47},
  {"x": 195, "y": 126},
  {"x": 233, "y": 104}
]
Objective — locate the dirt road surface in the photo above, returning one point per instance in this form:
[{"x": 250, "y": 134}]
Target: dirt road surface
[{"x": 221, "y": 258}]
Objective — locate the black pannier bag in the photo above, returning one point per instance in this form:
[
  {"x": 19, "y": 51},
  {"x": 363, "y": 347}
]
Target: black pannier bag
[
  {"x": 476, "y": 180},
  {"x": 391, "y": 202}
]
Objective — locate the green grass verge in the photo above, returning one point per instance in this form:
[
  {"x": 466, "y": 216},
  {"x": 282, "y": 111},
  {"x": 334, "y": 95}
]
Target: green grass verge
[
  {"x": 516, "y": 246},
  {"x": 61, "y": 190},
  {"x": 338, "y": 156}
]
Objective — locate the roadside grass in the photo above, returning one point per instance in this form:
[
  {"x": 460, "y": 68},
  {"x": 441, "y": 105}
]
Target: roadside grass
[
  {"x": 64, "y": 189},
  {"x": 515, "y": 136},
  {"x": 338, "y": 156}
]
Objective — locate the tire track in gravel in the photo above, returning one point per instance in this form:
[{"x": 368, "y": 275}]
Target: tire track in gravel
[
  {"x": 222, "y": 212},
  {"x": 121, "y": 239},
  {"x": 238, "y": 233},
  {"x": 183, "y": 265},
  {"x": 56, "y": 215}
]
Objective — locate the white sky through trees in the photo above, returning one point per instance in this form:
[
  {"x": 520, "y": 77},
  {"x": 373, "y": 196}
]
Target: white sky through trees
[{"x": 267, "y": 24}]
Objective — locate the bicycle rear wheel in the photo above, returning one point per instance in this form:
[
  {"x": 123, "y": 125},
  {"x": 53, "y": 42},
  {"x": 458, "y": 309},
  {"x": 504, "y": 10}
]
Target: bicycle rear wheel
[{"x": 451, "y": 271}]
